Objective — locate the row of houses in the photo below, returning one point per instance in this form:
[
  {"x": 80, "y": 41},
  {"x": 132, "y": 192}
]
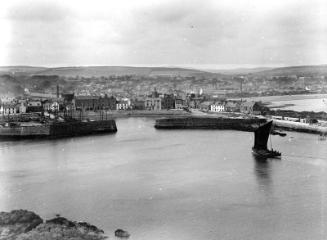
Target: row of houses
[
  {"x": 156, "y": 101},
  {"x": 246, "y": 107},
  {"x": 25, "y": 106},
  {"x": 152, "y": 102}
]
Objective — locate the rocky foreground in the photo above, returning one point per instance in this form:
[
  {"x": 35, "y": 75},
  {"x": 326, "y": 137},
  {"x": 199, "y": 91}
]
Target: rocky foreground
[{"x": 26, "y": 225}]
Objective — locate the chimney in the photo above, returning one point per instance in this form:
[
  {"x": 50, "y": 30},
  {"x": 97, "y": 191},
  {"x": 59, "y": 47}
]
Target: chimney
[{"x": 57, "y": 91}]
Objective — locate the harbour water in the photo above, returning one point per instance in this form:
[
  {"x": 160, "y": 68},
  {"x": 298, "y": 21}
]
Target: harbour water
[{"x": 172, "y": 184}]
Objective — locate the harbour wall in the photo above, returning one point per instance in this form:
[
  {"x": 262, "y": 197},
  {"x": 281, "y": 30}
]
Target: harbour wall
[
  {"x": 66, "y": 129},
  {"x": 241, "y": 124},
  {"x": 25, "y": 131},
  {"x": 57, "y": 129},
  {"x": 299, "y": 127}
]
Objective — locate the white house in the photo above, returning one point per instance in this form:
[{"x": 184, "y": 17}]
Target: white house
[
  {"x": 217, "y": 107},
  {"x": 8, "y": 109},
  {"x": 123, "y": 105}
]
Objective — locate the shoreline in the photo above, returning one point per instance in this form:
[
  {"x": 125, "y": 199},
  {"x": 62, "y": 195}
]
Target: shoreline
[
  {"x": 281, "y": 98},
  {"x": 27, "y": 225}
]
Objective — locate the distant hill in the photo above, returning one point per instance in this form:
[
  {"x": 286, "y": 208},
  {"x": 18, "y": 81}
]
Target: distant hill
[
  {"x": 98, "y": 71},
  {"x": 306, "y": 71},
  {"x": 20, "y": 69},
  {"x": 313, "y": 70},
  {"x": 239, "y": 71}
]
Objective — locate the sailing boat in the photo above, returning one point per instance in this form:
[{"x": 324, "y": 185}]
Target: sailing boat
[{"x": 261, "y": 136}]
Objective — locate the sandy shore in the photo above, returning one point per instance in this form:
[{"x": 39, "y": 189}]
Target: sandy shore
[{"x": 286, "y": 97}]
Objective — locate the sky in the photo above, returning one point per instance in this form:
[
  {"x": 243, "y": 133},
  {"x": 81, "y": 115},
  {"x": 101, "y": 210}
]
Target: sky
[{"x": 203, "y": 33}]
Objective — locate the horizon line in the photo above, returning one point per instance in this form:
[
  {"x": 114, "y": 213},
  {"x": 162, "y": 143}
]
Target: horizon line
[{"x": 189, "y": 66}]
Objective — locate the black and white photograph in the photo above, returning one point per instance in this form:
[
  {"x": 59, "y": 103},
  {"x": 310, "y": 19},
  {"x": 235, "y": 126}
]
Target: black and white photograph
[{"x": 163, "y": 120}]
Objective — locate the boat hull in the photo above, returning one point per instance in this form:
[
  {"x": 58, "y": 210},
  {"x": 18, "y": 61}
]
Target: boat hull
[{"x": 265, "y": 153}]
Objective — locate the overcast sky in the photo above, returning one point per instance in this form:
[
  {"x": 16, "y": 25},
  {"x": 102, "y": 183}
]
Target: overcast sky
[{"x": 163, "y": 32}]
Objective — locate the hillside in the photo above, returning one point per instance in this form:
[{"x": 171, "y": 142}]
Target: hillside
[
  {"x": 20, "y": 70},
  {"x": 10, "y": 85},
  {"x": 306, "y": 71},
  {"x": 239, "y": 71},
  {"x": 316, "y": 70},
  {"x": 98, "y": 71}
]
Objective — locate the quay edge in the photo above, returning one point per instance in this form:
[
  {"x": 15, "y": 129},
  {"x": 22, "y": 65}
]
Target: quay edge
[
  {"x": 242, "y": 124},
  {"x": 299, "y": 127},
  {"x": 57, "y": 129}
]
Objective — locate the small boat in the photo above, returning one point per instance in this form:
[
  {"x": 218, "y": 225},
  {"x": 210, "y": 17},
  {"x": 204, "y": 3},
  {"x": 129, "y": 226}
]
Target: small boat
[
  {"x": 261, "y": 136},
  {"x": 282, "y": 134}
]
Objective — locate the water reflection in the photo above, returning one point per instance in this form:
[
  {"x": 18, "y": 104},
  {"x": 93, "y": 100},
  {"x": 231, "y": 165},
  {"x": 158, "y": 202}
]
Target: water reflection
[{"x": 263, "y": 172}]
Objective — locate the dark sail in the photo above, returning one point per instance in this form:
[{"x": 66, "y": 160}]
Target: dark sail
[{"x": 261, "y": 136}]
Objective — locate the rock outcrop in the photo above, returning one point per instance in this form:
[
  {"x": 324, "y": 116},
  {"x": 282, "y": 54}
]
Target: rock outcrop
[
  {"x": 17, "y": 222},
  {"x": 26, "y": 225},
  {"x": 122, "y": 233}
]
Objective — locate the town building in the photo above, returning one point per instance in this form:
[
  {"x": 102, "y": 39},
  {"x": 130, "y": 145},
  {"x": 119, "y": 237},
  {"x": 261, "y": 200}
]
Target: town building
[
  {"x": 153, "y": 102},
  {"x": 251, "y": 107},
  {"x": 34, "y": 106},
  {"x": 217, "y": 107},
  {"x": 168, "y": 101},
  {"x": 22, "y": 107},
  {"x": 9, "y": 108},
  {"x": 179, "y": 103},
  {"x": 108, "y": 103},
  {"x": 138, "y": 104},
  {"x": 69, "y": 101},
  {"x": 87, "y": 103},
  {"x": 50, "y": 105},
  {"x": 205, "y": 106},
  {"x": 94, "y": 103},
  {"x": 123, "y": 105},
  {"x": 232, "y": 106}
]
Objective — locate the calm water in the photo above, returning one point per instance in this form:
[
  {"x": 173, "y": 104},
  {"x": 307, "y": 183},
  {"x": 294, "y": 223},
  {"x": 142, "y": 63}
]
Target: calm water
[{"x": 187, "y": 184}]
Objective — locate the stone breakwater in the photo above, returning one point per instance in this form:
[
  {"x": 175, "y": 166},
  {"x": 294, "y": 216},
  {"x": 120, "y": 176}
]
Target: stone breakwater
[
  {"x": 242, "y": 124},
  {"x": 26, "y": 225},
  {"x": 299, "y": 127},
  {"x": 21, "y": 130}
]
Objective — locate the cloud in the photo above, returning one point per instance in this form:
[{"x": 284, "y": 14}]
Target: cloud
[
  {"x": 44, "y": 11},
  {"x": 199, "y": 24},
  {"x": 165, "y": 32},
  {"x": 41, "y": 33}
]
